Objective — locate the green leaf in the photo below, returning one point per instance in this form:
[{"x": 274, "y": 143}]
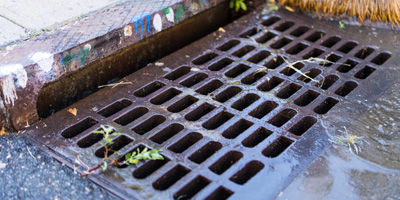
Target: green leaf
[
  {"x": 104, "y": 166},
  {"x": 243, "y": 5},
  {"x": 232, "y": 3},
  {"x": 127, "y": 156}
]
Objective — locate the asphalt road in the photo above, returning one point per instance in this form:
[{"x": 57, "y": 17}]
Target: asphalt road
[{"x": 26, "y": 172}]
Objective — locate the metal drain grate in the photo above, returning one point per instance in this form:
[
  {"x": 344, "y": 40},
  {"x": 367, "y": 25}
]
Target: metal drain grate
[{"x": 227, "y": 128}]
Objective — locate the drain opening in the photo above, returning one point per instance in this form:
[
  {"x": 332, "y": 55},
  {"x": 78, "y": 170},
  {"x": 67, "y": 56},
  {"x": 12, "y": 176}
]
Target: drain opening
[
  {"x": 346, "y": 48},
  {"x": 114, "y": 108},
  {"x": 288, "y": 91},
  {"x": 131, "y": 116},
  {"x": 347, "y": 66},
  {"x": 186, "y": 142},
  {"x": 236, "y": 71},
  {"x": 243, "y": 51},
  {"x": 237, "y": 129},
  {"x": 170, "y": 178},
  {"x": 315, "y": 36},
  {"x": 210, "y": 87},
  {"x": 250, "y": 33},
  {"x": 364, "y": 52},
  {"x": 165, "y": 96},
  {"x": 270, "y": 21},
  {"x": 248, "y": 171},
  {"x": 364, "y": 72},
  {"x": 346, "y": 88},
  {"x": 229, "y": 45},
  {"x": 325, "y": 106},
  {"x": 381, "y": 58},
  {"x": 330, "y": 42},
  {"x": 205, "y": 152},
  {"x": 277, "y": 147},
  {"x": 327, "y": 82},
  {"x": 297, "y": 48},
  {"x": 274, "y": 63},
  {"x": 79, "y": 128},
  {"x": 284, "y": 26},
  {"x": 288, "y": 71},
  {"x": 281, "y": 118},
  {"x": 228, "y": 93},
  {"x": 147, "y": 90},
  {"x": 90, "y": 140},
  {"x": 266, "y": 37},
  {"x": 245, "y": 101},
  {"x": 303, "y": 125},
  {"x": 260, "y": 56},
  {"x": 254, "y": 77},
  {"x": 182, "y": 104},
  {"x": 221, "y": 64},
  {"x": 313, "y": 53},
  {"x": 149, "y": 124},
  {"x": 257, "y": 137},
  {"x": 306, "y": 98},
  {"x": 181, "y": 71},
  {"x": 263, "y": 109},
  {"x": 332, "y": 58},
  {"x": 217, "y": 120},
  {"x": 312, "y": 73},
  {"x": 192, "y": 188},
  {"x": 300, "y": 31},
  {"x": 199, "y": 112},
  {"x": 220, "y": 194},
  {"x": 225, "y": 162},
  {"x": 270, "y": 84},
  {"x": 194, "y": 79},
  {"x": 281, "y": 43},
  {"x": 149, "y": 168},
  {"x": 166, "y": 133},
  {"x": 117, "y": 144},
  {"x": 204, "y": 59}
]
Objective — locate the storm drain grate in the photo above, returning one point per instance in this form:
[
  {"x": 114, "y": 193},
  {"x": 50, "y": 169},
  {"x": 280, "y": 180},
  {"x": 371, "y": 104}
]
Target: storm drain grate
[{"x": 231, "y": 118}]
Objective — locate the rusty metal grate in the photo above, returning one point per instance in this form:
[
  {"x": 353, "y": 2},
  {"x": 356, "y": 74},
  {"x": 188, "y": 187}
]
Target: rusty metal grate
[{"x": 227, "y": 128}]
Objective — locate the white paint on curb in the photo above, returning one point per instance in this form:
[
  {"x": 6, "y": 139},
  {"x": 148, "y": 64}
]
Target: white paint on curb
[
  {"x": 128, "y": 30},
  {"x": 14, "y": 76},
  {"x": 157, "y": 22},
  {"x": 44, "y": 60},
  {"x": 170, "y": 15}
]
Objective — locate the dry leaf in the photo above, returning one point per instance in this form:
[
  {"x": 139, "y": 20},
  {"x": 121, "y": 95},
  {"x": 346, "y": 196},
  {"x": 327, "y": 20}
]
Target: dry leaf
[
  {"x": 289, "y": 8},
  {"x": 3, "y": 131},
  {"x": 221, "y": 29},
  {"x": 73, "y": 111}
]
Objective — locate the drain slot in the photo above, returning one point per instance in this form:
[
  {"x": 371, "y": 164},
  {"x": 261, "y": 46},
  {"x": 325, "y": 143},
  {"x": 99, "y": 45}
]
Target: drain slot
[
  {"x": 170, "y": 178},
  {"x": 277, "y": 147},
  {"x": 79, "y": 128},
  {"x": 248, "y": 171},
  {"x": 192, "y": 188},
  {"x": 255, "y": 138},
  {"x": 167, "y": 133},
  {"x": 225, "y": 162},
  {"x": 205, "y": 152}
]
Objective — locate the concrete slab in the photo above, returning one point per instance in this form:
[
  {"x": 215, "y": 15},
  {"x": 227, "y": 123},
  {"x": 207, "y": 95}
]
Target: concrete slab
[
  {"x": 39, "y": 14},
  {"x": 10, "y": 32}
]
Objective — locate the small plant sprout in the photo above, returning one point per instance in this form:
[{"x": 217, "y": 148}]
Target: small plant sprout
[
  {"x": 136, "y": 156},
  {"x": 238, "y": 4},
  {"x": 107, "y": 132},
  {"x": 109, "y": 161},
  {"x": 347, "y": 140},
  {"x": 341, "y": 25}
]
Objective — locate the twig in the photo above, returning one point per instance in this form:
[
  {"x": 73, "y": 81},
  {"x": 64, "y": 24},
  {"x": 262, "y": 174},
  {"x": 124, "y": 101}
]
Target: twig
[
  {"x": 113, "y": 85},
  {"x": 87, "y": 167},
  {"x": 30, "y": 153}
]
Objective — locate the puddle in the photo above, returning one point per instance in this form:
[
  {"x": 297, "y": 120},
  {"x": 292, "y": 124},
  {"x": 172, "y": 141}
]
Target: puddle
[{"x": 372, "y": 174}]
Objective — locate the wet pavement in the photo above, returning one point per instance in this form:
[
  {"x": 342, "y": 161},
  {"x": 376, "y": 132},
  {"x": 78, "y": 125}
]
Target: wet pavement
[
  {"x": 28, "y": 173},
  {"x": 372, "y": 174}
]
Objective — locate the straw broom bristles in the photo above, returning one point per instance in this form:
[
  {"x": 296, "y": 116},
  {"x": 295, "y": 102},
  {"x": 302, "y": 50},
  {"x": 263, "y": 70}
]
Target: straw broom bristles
[{"x": 387, "y": 11}]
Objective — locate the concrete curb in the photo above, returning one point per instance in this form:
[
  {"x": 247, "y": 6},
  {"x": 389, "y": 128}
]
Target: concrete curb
[{"x": 26, "y": 67}]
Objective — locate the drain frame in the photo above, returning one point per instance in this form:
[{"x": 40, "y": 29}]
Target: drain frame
[{"x": 280, "y": 170}]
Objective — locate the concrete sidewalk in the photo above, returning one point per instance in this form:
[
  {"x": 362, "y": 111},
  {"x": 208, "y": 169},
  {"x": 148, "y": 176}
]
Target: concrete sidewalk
[{"x": 22, "y": 19}]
